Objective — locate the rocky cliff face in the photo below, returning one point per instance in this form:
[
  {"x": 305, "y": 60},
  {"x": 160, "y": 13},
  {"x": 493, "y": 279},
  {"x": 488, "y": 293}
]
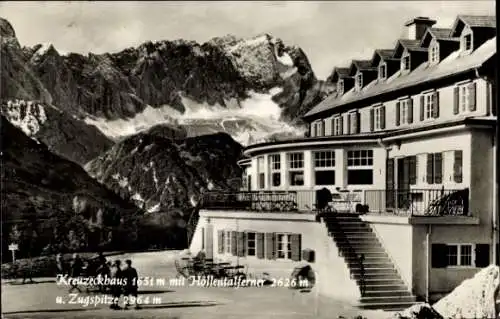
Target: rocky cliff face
[
  {"x": 165, "y": 175},
  {"x": 50, "y": 201},
  {"x": 166, "y": 82}
]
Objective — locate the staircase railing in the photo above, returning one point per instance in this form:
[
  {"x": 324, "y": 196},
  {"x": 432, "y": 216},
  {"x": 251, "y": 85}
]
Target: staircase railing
[{"x": 347, "y": 250}]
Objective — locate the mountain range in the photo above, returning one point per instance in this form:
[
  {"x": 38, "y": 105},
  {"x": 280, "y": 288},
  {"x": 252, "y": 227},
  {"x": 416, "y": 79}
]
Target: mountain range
[{"x": 156, "y": 125}]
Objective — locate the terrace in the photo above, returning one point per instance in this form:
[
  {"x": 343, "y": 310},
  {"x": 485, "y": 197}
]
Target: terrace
[{"x": 415, "y": 202}]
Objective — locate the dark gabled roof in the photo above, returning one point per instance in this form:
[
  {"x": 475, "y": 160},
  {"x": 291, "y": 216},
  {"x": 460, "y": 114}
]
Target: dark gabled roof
[
  {"x": 473, "y": 22},
  {"x": 361, "y": 65},
  {"x": 381, "y": 54},
  {"x": 411, "y": 45},
  {"x": 440, "y": 33},
  {"x": 453, "y": 64},
  {"x": 342, "y": 72}
]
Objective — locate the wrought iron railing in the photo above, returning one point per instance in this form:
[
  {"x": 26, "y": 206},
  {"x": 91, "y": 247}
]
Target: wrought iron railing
[
  {"x": 251, "y": 200},
  {"x": 419, "y": 202}
]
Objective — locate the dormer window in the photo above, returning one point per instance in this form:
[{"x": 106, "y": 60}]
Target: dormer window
[
  {"x": 434, "y": 53},
  {"x": 382, "y": 71},
  {"x": 467, "y": 42},
  {"x": 405, "y": 63},
  {"x": 359, "y": 81},
  {"x": 340, "y": 87}
]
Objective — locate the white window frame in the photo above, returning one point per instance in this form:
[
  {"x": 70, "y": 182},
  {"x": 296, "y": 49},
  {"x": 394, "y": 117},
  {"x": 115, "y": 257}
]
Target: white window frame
[
  {"x": 286, "y": 246},
  {"x": 463, "y": 98},
  {"x": 227, "y": 242},
  {"x": 404, "y": 65},
  {"x": 377, "y": 117},
  {"x": 295, "y": 165},
  {"x": 403, "y": 111},
  {"x": 459, "y": 255},
  {"x": 340, "y": 87},
  {"x": 352, "y": 118},
  {"x": 274, "y": 167},
  {"x": 247, "y": 244},
  {"x": 465, "y": 42},
  {"x": 337, "y": 129},
  {"x": 428, "y": 105},
  {"x": 244, "y": 179},
  {"x": 353, "y": 156},
  {"x": 329, "y": 163},
  {"x": 382, "y": 75},
  {"x": 434, "y": 53},
  {"x": 359, "y": 80}
]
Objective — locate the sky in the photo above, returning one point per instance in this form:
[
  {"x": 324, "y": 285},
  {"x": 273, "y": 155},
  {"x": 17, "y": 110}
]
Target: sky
[{"x": 331, "y": 33}]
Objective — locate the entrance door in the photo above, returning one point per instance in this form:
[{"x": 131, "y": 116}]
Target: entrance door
[{"x": 389, "y": 185}]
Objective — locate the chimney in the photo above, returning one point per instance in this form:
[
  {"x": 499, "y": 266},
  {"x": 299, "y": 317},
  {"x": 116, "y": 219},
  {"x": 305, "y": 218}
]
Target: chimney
[{"x": 416, "y": 27}]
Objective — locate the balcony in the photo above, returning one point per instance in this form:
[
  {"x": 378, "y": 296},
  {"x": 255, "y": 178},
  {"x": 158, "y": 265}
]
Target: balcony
[
  {"x": 418, "y": 202},
  {"x": 279, "y": 201}
]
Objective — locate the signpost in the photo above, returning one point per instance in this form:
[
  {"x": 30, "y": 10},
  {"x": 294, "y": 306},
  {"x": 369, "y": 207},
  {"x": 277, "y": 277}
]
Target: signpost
[{"x": 13, "y": 248}]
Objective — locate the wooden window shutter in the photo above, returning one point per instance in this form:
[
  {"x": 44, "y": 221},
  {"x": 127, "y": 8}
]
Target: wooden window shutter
[
  {"x": 260, "y": 245},
  {"x": 398, "y": 106},
  {"x": 323, "y": 128},
  {"x": 382, "y": 117},
  {"x": 438, "y": 168},
  {"x": 357, "y": 116},
  {"x": 435, "y": 105},
  {"x": 241, "y": 244},
  {"x": 457, "y": 166},
  {"x": 439, "y": 256},
  {"x": 456, "y": 100},
  {"x": 413, "y": 170},
  {"x": 220, "y": 236},
  {"x": 482, "y": 255},
  {"x": 202, "y": 238},
  {"x": 341, "y": 123},
  {"x": 430, "y": 169},
  {"x": 372, "y": 119},
  {"x": 234, "y": 244},
  {"x": 472, "y": 96},
  {"x": 348, "y": 123},
  {"x": 422, "y": 107},
  {"x": 296, "y": 246},
  {"x": 410, "y": 110},
  {"x": 270, "y": 253}
]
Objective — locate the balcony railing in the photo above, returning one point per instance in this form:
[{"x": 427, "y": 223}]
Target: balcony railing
[
  {"x": 252, "y": 200},
  {"x": 419, "y": 202},
  {"x": 279, "y": 201}
]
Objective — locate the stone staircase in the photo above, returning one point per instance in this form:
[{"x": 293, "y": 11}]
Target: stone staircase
[{"x": 384, "y": 288}]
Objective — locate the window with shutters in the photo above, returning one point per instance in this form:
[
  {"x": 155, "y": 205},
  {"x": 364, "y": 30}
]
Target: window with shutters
[
  {"x": 296, "y": 168},
  {"x": 227, "y": 241},
  {"x": 404, "y": 111},
  {"x": 261, "y": 173},
  {"x": 275, "y": 169},
  {"x": 429, "y": 106},
  {"x": 466, "y": 42},
  {"x": 434, "y": 53},
  {"x": 337, "y": 125},
  {"x": 324, "y": 167},
  {"x": 382, "y": 71},
  {"x": 284, "y": 246},
  {"x": 340, "y": 87},
  {"x": 405, "y": 63},
  {"x": 379, "y": 117},
  {"x": 319, "y": 128},
  {"x": 244, "y": 179},
  {"x": 359, "y": 81},
  {"x": 464, "y": 98},
  {"x": 460, "y": 255},
  {"x": 434, "y": 168},
  {"x": 360, "y": 167},
  {"x": 251, "y": 244}
]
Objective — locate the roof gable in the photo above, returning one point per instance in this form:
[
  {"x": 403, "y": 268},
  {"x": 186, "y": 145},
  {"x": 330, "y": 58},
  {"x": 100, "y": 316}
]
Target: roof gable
[
  {"x": 473, "y": 22},
  {"x": 410, "y": 45},
  {"x": 381, "y": 54},
  {"x": 339, "y": 73},
  {"x": 360, "y": 65},
  {"x": 436, "y": 33}
]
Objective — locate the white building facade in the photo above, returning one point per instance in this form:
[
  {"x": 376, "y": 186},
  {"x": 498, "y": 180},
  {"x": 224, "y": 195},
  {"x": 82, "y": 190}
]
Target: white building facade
[{"x": 407, "y": 141}]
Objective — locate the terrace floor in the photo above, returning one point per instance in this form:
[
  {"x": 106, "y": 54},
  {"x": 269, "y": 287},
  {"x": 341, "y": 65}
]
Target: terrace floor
[{"x": 38, "y": 300}]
